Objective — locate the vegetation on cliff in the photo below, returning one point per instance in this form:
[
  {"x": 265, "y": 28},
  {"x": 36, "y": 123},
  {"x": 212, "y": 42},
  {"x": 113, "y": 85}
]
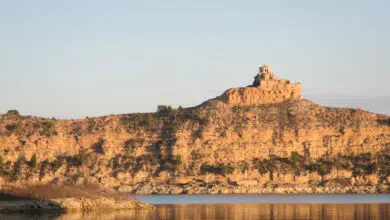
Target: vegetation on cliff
[{"x": 291, "y": 142}]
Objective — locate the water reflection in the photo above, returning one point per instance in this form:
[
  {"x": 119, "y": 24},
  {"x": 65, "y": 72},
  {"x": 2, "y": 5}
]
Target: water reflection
[{"x": 233, "y": 212}]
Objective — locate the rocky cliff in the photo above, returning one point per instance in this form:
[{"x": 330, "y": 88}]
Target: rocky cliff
[
  {"x": 266, "y": 88},
  {"x": 289, "y": 146}
]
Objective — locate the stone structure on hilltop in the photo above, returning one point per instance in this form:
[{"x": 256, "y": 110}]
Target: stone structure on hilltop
[{"x": 266, "y": 88}]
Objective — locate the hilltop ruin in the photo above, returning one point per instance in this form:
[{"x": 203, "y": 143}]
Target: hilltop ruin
[{"x": 266, "y": 88}]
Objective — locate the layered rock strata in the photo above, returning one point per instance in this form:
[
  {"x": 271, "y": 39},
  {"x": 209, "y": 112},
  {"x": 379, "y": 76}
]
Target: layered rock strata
[
  {"x": 266, "y": 88},
  {"x": 245, "y": 141}
]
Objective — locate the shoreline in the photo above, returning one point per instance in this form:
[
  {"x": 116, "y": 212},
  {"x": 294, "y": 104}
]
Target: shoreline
[
  {"x": 70, "y": 205},
  {"x": 67, "y": 198},
  {"x": 149, "y": 189}
]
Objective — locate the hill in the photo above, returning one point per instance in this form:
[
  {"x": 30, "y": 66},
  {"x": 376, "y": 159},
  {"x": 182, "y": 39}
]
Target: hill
[{"x": 256, "y": 139}]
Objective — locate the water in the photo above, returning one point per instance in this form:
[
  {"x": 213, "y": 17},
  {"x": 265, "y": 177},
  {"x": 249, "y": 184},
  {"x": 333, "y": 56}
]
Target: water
[
  {"x": 274, "y": 199},
  {"x": 243, "y": 207}
]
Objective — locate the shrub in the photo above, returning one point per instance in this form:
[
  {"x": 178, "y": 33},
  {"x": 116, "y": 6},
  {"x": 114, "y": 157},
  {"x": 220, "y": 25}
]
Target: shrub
[
  {"x": 131, "y": 144},
  {"x": 91, "y": 125},
  {"x": 383, "y": 159},
  {"x": 116, "y": 162},
  {"x": 56, "y": 164},
  {"x": 128, "y": 162},
  {"x": 243, "y": 166},
  {"x": 33, "y": 161},
  {"x": 172, "y": 163},
  {"x": 296, "y": 157},
  {"x": 196, "y": 155},
  {"x": 12, "y": 127},
  {"x": 297, "y": 162},
  {"x": 364, "y": 164},
  {"x": 324, "y": 167},
  {"x": 44, "y": 165},
  {"x": 144, "y": 120},
  {"x": 1, "y": 165},
  {"x": 265, "y": 165},
  {"x": 227, "y": 169},
  {"x": 81, "y": 157},
  {"x": 98, "y": 147},
  {"x": 47, "y": 126},
  {"x": 372, "y": 168},
  {"x": 17, "y": 169},
  {"x": 13, "y": 112},
  {"x": 221, "y": 169},
  {"x": 146, "y": 159},
  {"x": 78, "y": 159},
  {"x": 178, "y": 160},
  {"x": 165, "y": 110}
]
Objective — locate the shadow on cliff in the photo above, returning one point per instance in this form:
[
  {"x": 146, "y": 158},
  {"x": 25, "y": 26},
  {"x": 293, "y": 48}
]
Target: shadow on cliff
[{"x": 163, "y": 149}]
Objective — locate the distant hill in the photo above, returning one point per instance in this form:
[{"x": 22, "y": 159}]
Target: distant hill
[{"x": 380, "y": 105}]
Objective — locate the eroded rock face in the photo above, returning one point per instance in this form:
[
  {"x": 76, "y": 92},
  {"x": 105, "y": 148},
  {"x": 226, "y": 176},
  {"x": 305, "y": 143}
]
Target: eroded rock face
[
  {"x": 266, "y": 88},
  {"x": 216, "y": 142}
]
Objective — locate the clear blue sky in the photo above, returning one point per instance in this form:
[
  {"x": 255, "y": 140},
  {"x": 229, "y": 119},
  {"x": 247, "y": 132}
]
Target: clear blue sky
[{"x": 76, "y": 58}]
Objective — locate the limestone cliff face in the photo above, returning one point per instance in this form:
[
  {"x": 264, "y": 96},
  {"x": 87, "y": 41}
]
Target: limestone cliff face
[
  {"x": 271, "y": 93},
  {"x": 253, "y": 144}
]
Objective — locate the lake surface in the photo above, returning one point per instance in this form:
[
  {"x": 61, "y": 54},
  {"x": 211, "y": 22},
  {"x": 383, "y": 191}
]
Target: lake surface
[
  {"x": 272, "y": 198},
  {"x": 243, "y": 207}
]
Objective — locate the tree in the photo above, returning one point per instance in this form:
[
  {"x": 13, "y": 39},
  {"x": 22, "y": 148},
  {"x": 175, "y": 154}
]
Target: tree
[
  {"x": 13, "y": 112},
  {"x": 17, "y": 169},
  {"x": 165, "y": 110}
]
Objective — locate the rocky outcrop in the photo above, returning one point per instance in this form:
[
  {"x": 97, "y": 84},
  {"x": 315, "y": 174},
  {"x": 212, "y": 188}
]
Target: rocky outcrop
[
  {"x": 266, "y": 88},
  {"x": 37, "y": 198}
]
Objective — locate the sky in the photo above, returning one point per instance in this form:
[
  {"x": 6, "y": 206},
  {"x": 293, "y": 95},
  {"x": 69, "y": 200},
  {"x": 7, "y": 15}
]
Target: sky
[{"x": 72, "y": 59}]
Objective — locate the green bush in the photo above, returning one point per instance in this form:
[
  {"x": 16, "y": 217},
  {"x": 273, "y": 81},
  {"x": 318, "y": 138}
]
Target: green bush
[
  {"x": 364, "y": 164},
  {"x": 178, "y": 160},
  {"x": 17, "y": 169},
  {"x": 13, "y": 112},
  {"x": 47, "y": 127},
  {"x": 165, "y": 110},
  {"x": 91, "y": 125},
  {"x": 116, "y": 162},
  {"x": 33, "y": 161},
  {"x": 55, "y": 164},
  {"x": 243, "y": 166},
  {"x": 43, "y": 168},
  {"x": 79, "y": 159},
  {"x": 265, "y": 165},
  {"x": 12, "y": 127},
  {"x": 324, "y": 167},
  {"x": 221, "y": 169}
]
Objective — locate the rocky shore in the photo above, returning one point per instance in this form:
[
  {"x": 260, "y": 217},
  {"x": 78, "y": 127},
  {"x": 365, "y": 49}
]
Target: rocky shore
[
  {"x": 67, "y": 204},
  {"x": 63, "y": 199},
  {"x": 270, "y": 189}
]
